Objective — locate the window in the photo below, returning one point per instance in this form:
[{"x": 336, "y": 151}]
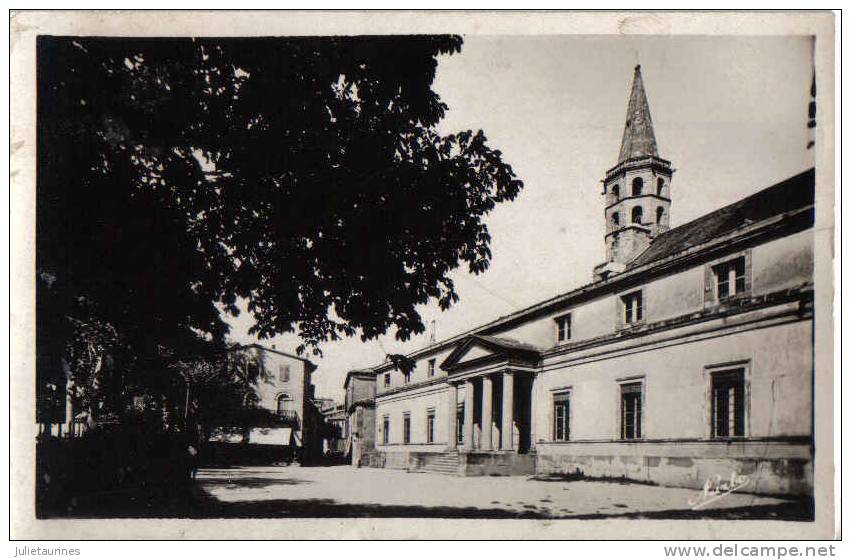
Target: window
[
  {"x": 728, "y": 403},
  {"x": 563, "y": 327},
  {"x": 281, "y": 403},
  {"x": 616, "y": 191},
  {"x": 385, "y": 430},
  {"x": 407, "y": 377},
  {"x": 633, "y": 309},
  {"x": 660, "y": 213},
  {"x": 386, "y": 379},
  {"x": 637, "y": 186},
  {"x": 430, "y": 417},
  {"x": 616, "y": 219},
  {"x": 459, "y": 424},
  {"x": 729, "y": 278},
  {"x": 660, "y": 184},
  {"x": 561, "y": 416},
  {"x": 406, "y": 428},
  {"x": 631, "y": 410},
  {"x": 637, "y": 214},
  {"x": 431, "y": 367},
  {"x": 284, "y": 373}
]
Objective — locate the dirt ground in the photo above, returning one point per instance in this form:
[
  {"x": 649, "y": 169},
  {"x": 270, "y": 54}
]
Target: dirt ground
[{"x": 344, "y": 491}]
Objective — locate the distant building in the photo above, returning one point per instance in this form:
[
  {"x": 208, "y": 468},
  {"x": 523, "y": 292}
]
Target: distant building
[
  {"x": 359, "y": 405},
  {"x": 690, "y": 356},
  {"x": 333, "y": 428},
  {"x": 284, "y": 389}
]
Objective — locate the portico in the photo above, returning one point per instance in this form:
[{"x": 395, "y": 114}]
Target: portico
[{"x": 494, "y": 376}]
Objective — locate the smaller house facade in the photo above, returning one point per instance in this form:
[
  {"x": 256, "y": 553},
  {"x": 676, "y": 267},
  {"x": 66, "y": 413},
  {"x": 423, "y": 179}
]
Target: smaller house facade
[
  {"x": 359, "y": 407},
  {"x": 285, "y": 389}
]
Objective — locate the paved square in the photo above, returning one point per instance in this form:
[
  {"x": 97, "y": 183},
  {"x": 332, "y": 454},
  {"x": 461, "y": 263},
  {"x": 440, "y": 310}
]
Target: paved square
[{"x": 343, "y": 491}]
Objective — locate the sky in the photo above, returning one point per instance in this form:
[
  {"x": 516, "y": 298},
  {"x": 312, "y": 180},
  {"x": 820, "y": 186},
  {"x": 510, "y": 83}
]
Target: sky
[{"x": 730, "y": 114}]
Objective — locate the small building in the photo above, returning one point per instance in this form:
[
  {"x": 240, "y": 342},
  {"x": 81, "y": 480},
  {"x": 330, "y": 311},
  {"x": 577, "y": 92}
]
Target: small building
[
  {"x": 333, "y": 428},
  {"x": 688, "y": 358},
  {"x": 283, "y": 390},
  {"x": 359, "y": 404}
]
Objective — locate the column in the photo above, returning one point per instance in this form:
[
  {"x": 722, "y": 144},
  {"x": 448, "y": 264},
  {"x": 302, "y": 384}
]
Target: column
[
  {"x": 451, "y": 416},
  {"x": 507, "y": 442},
  {"x": 468, "y": 414},
  {"x": 487, "y": 413}
]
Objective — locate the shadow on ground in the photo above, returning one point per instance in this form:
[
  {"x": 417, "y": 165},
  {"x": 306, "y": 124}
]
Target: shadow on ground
[{"x": 207, "y": 506}]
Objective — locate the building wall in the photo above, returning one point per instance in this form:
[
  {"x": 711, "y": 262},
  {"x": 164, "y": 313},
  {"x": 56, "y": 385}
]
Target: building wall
[
  {"x": 773, "y": 343},
  {"x": 417, "y": 404}
]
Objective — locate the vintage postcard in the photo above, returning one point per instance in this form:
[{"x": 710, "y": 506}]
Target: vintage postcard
[{"x": 444, "y": 275}]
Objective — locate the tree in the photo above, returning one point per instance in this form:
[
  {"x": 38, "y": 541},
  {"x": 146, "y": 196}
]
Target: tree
[{"x": 306, "y": 176}]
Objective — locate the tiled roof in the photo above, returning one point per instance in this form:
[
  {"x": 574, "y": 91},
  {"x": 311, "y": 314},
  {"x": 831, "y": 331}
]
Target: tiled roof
[
  {"x": 795, "y": 193},
  {"x": 508, "y": 343}
]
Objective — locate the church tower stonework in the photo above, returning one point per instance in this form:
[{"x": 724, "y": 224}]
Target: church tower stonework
[{"x": 636, "y": 191}]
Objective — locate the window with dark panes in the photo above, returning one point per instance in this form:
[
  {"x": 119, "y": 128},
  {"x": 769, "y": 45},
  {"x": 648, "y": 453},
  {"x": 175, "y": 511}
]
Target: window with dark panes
[
  {"x": 406, "y": 428},
  {"x": 561, "y": 416},
  {"x": 729, "y": 278},
  {"x": 386, "y": 379},
  {"x": 385, "y": 430},
  {"x": 459, "y": 424},
  {"x": 430, "y": 418},
  {"x": 431, "y": 367},
  {"x": 728, "y": 404},
  {"x": 631, "y": 411}
]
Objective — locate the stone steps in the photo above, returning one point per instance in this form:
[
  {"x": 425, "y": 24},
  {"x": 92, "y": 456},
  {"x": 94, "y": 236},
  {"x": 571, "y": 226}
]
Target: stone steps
[{"x": 445, "y": 463}]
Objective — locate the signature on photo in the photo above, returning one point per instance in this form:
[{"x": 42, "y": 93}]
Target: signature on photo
[{"x": 715, "y": 488}]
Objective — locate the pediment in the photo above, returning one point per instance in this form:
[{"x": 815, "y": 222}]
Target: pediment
[{"x": 479, "y": 349}]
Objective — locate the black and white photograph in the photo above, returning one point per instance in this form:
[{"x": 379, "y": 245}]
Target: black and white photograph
[{"x": 577, "y": 271}]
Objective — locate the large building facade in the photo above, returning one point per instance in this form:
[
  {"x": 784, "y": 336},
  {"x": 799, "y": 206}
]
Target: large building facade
[{"x": 688, "y": 358}]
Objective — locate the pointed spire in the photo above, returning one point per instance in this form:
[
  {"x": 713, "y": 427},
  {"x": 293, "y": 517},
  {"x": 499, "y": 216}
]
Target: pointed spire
[{"x": 638, "y": 138}]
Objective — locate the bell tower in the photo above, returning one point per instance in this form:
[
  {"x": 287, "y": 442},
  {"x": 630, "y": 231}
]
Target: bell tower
[{"x": 636, "y": 191}]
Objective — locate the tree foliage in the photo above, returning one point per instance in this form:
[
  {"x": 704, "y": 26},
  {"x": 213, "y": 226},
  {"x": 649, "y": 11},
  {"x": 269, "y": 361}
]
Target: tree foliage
[{"x": 306, "y": 176}]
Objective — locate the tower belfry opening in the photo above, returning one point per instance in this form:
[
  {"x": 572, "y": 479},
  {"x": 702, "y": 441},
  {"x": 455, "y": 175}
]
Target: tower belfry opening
[{"x": 637, "y": 188}]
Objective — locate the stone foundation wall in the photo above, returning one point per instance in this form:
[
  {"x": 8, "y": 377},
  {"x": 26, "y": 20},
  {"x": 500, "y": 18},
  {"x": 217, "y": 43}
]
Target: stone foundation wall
[
  {"x": 770, "y": 468},
  {"x": 497, "y": 464}
]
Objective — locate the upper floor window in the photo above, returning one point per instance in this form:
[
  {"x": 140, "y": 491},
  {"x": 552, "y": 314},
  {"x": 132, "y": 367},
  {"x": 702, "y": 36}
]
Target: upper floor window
[
  {"x": 729, "y": 278},
  {"x": 564, "y": 327},
  {"x": 728, "y": 403},
  {"x": 633, "y": 307},
  {"x": 637, "y": 214},
  {"x": 616, "y": 191},
  {"x": 431, "y": 363},
  {"x": 660, "y": 184},
  {"x": 637, "y": 186},
  {"x": 631, "y": 410},
  {"x": 616, "y": 219},
  {"x": 561, "y": 416},
  {"x": 386, "y": 379},
  {"x": 284, "y": 373},
  {"x": 407, "y": 377},
  {"x": 660, "y": 213}
]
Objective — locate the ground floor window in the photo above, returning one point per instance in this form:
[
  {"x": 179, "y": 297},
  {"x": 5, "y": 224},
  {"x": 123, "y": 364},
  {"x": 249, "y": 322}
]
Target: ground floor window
[
  {"x": 631, "y": 410},
  {"x": 561, "y": 416},
  {"x": 459, "y": 424},
  {"x": 406, "y": 428},
  {"x": 728, "y": 403},
  {"x": 385, "y": 430},
  {"x": 430, "y": 417}
]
